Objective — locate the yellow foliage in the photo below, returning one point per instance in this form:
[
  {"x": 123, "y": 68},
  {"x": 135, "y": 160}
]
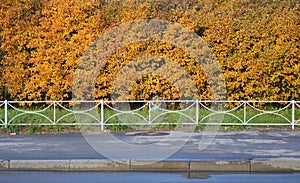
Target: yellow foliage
[{"x": 256, "y": 43}]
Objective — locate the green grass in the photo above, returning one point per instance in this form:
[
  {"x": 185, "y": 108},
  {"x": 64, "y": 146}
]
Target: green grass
[
  {"x": 34, "y": 128},
  {"x": 260, "y": 119},
  {"x": 13, "y": 129}
]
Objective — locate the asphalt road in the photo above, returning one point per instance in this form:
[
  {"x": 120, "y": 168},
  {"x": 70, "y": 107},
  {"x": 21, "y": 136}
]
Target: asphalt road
[
  {"x": 242, "y": 145},
  {"x": 145, "y": 177}
]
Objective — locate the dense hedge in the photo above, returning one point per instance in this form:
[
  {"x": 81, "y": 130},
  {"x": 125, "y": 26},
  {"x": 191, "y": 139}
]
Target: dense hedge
[{"x": 256, "y": 42}]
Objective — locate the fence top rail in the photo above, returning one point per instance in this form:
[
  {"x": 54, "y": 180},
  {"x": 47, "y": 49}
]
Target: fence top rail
[{"x": 117, "y": 101}]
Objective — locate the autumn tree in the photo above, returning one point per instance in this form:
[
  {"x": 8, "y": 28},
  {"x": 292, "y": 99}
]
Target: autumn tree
[
  {"x": 44, "y": 41},
  {"x": 256, "y": 43}
]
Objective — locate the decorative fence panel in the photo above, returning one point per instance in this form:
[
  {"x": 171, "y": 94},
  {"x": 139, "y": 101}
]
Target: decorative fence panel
[{"x": 145, "y": 113}]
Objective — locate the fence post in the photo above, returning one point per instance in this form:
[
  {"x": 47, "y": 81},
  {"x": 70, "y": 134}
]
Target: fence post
[
  {"x": 102, "y": 115},
  {"x": 5, "y": 114},
  {"x": 293, "y": 114},
  {"x": 197, "y": 112},
  {"x": 245, "y": 112},
  {"x": 149, "y": 112},
  {"x": 54, "y": 113}
]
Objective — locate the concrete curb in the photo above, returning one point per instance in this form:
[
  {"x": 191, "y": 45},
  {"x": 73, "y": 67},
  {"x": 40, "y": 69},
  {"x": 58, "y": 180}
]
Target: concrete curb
[
  {"x": 249, "y": 166},
  {"x": 4, "y": 165},
  {"x": 166, "y": 165},
  {"x": 220, "y": 166},
  {"x": 57, "y": 165},
  {"x": 276, "y": 165},
  {"x": 98, "y": 165}
]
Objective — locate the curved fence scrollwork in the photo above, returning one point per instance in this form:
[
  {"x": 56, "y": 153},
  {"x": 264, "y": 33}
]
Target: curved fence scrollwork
[{"x": 158, "y": 112}]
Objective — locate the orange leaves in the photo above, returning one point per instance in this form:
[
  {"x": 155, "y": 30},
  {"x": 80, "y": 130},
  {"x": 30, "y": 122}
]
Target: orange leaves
[
  {"x": 253, "y": 42},
  {"x": 256, "y": 42},
  {"x": 153, "y": 88},
  {"x": 49, "y": 47}
]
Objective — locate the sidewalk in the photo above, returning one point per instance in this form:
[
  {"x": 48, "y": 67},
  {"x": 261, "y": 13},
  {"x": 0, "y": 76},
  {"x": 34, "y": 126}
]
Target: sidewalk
[{"x": 244, "y": 151}]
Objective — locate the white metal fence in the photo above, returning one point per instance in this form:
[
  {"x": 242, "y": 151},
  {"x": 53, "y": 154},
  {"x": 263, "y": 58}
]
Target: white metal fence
[{"x": 158, "y": 112}]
